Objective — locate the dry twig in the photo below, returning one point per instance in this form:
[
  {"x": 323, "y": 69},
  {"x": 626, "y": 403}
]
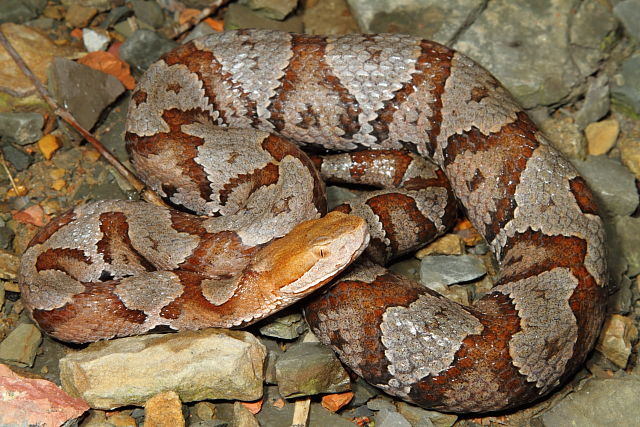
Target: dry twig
[
  {"x": 65, "y": 115},
  {"x": 9, "y": 174},
  {"x": 213, "y": 7},
  {"x": 301, "y": 412}
]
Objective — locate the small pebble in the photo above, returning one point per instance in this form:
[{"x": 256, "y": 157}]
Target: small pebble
[
  {"x": 21, "y": 128},
  {"x": 95, "y": 40},
  {"x": 449, "y": 269},
  {"x": 242, "y": 417},
  {"x": 9, "y": 264},
  {"x": 630, "y": 154},
  {"x": 449, "y": 244},
  {"x": 564, "y": 134},
  {"x": 20, "y": 346},
  {"x": 164, "y": 410},
  {"x": 59, "y": 184},
  {"x": 617, "y": 338},
  {"x": 205, "y": 410},
  {"x": 121, "y": 419},
  {"x": 48, "y": 145},
  {"x": 285, "y": 327},
  {"x": 601, "y": 136},
  {"x": 79, "y": 16}
]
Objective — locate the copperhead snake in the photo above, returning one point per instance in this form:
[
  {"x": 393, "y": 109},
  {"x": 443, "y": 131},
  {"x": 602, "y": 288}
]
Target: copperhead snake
[{"x": 204, "y": 130}]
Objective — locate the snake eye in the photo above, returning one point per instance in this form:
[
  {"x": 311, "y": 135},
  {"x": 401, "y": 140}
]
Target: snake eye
[{"x": 321, "y": 252}]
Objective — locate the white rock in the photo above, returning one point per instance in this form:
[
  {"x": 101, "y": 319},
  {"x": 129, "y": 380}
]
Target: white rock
[{"x": 200, "y": 365}]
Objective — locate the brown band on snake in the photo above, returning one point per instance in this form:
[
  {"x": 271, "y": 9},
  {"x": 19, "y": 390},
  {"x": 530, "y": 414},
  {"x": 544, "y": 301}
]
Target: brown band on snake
[{"x": 348, "y": 93}]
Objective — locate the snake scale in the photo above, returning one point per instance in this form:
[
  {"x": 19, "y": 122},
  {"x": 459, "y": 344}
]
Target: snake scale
[{"x": 205, "y": 130}]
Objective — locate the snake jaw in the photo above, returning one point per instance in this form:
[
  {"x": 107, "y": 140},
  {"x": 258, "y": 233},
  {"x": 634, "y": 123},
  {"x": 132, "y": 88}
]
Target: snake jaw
[
  {"x": 310, "y": 255},
  {"x": 332, "y": 257}
]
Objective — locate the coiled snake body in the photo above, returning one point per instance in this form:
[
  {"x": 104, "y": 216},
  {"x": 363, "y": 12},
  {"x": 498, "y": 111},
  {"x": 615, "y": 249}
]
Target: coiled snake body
[{"x": 119, "y": 268}]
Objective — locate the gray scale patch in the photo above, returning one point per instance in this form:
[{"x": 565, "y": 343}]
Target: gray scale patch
[
  {"x": 347, "y": 319},
  {"x": 432, "y": 203},
  {"x": 549, "y": 332},
  {"x": 365, "y": 271},
  {"x": 158, "y": 169},
  {"x": 460, "y": 112},
  {"x": 219, "y": 291},
  {"x": 360, "y": 208},
  {"x": 150, "y": 291},
  {"x": 422, "y": 339},
  {"x": 152, "y": 234},
  {"x": 312, "y": 112},
  {"x": 225, "y": 155},
  {"x": 337, "y": 166},
  {"x": 372, "y": 69},
  {"x": 412, "y": 120},
  {"x": 419, "y": 168},
  {"x": 255, "y": 60},
  {"x": 47, "y": 289},
  {"x": 51, "y": 289},
  {"x": 480, "y": 203},
  {"x": 545, "y": 203},
  {"x": 145, "y": 119},
  {"x": 272, "y": 211}
]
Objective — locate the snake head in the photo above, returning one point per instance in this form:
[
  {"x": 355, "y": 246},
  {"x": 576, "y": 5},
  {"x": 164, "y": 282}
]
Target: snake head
[{"x": 310, "y": 255}]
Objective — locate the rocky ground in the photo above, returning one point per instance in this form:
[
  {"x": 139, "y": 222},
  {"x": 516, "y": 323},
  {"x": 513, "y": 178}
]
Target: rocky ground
[{"x": 573, "y": 64}]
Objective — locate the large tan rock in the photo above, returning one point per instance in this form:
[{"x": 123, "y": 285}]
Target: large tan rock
[
  {"x": 199, "y": 365},
  {"x": 36, "y": 49}
]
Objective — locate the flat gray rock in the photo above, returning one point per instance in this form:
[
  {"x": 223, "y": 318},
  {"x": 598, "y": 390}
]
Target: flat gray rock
[
  {"x": 21, "y": 128},
  {"x": 626, "y": 87},
  {"x": 101, "y": 5},
  {"x": 419, "y": 417},
  {"x": 628, "y": 12},
  {"x": 310, "y": 368},
  {"x": 541, "y": 51},
  {"x": 628, "y": 235},
  {"x": 612, "y": 183},
  {"x": 599, "y": 402},
  {"x": 149, "y": 12},
  {"x": 200, "y": 30},
  {"x": 430, "y": 19},
  {"x": 286, "y": 327},
  {"x": 388, "y": 418},
  {"x": 20, "y": 346},
  {"x": 84, "y": 91},
  {"x": 19, "y": 11},
  {"x": 596, "y": 102},
  {"x": 271, "y": 9},
  {"x": 439, "y": 270},
  {"x": 239, "y": 16},
  {"x": 143, "y": 48},
  {"x": 18, "y": 158}
]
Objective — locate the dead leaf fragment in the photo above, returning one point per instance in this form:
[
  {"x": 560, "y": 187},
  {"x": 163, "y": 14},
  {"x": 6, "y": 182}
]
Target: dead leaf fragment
[
  {"x": 334, "y": 402},
  {"x": 215, "y": 24},
  {"x": 108, "y": 63},
  {"x": 32, "y": 215},
  {"x": 253, "y": 407}
]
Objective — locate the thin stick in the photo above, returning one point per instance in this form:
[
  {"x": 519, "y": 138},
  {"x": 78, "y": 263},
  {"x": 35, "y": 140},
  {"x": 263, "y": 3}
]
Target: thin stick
[
  {"x": 65, "y": 115},
  {"x": 6, "y": 169},
  {"x": 213, "y": 7},
  {"x": 301, "y": 412}
]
